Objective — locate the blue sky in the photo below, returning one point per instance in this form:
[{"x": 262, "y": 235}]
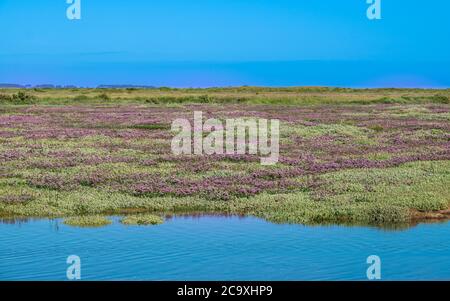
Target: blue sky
[{"x": 231, "y": 42}]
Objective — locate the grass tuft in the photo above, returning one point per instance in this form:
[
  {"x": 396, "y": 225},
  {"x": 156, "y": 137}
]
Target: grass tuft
[{"x": 142, "y": 220}]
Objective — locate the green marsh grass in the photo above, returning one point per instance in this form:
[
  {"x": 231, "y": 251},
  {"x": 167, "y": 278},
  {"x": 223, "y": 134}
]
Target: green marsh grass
[
  {"x": 87, "y": 221},
  {"x": 359, "y": 195},
  {"x": 142, "y": 220}
]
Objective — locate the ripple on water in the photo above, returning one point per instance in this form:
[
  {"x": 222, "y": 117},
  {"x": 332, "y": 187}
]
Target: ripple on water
[{"x": 221, "y": 248}]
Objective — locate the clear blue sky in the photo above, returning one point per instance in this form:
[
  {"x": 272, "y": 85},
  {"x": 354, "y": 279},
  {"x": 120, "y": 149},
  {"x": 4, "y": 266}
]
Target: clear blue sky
[{"x": 229, "y": 42}]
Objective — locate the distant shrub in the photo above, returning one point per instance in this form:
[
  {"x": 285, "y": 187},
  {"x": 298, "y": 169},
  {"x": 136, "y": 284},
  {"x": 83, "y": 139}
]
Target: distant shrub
[
  {"x": 376, "y": 128},
  {"x": 81, "y": 98},
  {"x": 388, "y": 100},
  {"x": 22, "y": 96},
  {"x": 18, "y": 98},
  {"x": 438, "y": 98},
  {"x": 5, "y": 97},
  {"x": 165, "y": 89},
  {"x": 181, "y": 99},
  {"x": 205, "y": 98},
  {"x": 104, "y": 96}
]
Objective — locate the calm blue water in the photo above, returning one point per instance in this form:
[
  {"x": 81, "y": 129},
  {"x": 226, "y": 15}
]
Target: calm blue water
[{"x": 222, "y": 248}]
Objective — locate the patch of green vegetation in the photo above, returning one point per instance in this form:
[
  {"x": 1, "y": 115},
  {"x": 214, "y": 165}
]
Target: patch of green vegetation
[
  {"x": 103, "y": 96},
  {"x": 439, "y": 98},
  {"x": 19, "y": 98},
  {"x": 379, "y": 156},
  {"x": 377, "y": 128},
  {"x": 236, "y": 95},
  {"x": 324, "y": 129},
  {"x": 142, "y": 220},
  {"x": 81, "y": 98},
  {"x": 183, "y": 99},
  {"x": 155, "y": 126},
  {"x": 431, "y": 134},
  {"x": 87, "y": 221},
  {"x": 367, "y": 196},
  {"x": 423, "y": 186}
]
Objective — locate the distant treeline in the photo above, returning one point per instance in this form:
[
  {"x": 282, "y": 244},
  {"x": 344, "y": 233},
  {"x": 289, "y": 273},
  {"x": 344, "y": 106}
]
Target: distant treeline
[
  {"x": 49, "y": 86},
  {"x": 238, "y": 89}
]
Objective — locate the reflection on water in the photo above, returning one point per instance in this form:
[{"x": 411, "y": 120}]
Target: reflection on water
[
  {"x": 198, "y": 215},
  {"x": 218, "y": 247}
]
